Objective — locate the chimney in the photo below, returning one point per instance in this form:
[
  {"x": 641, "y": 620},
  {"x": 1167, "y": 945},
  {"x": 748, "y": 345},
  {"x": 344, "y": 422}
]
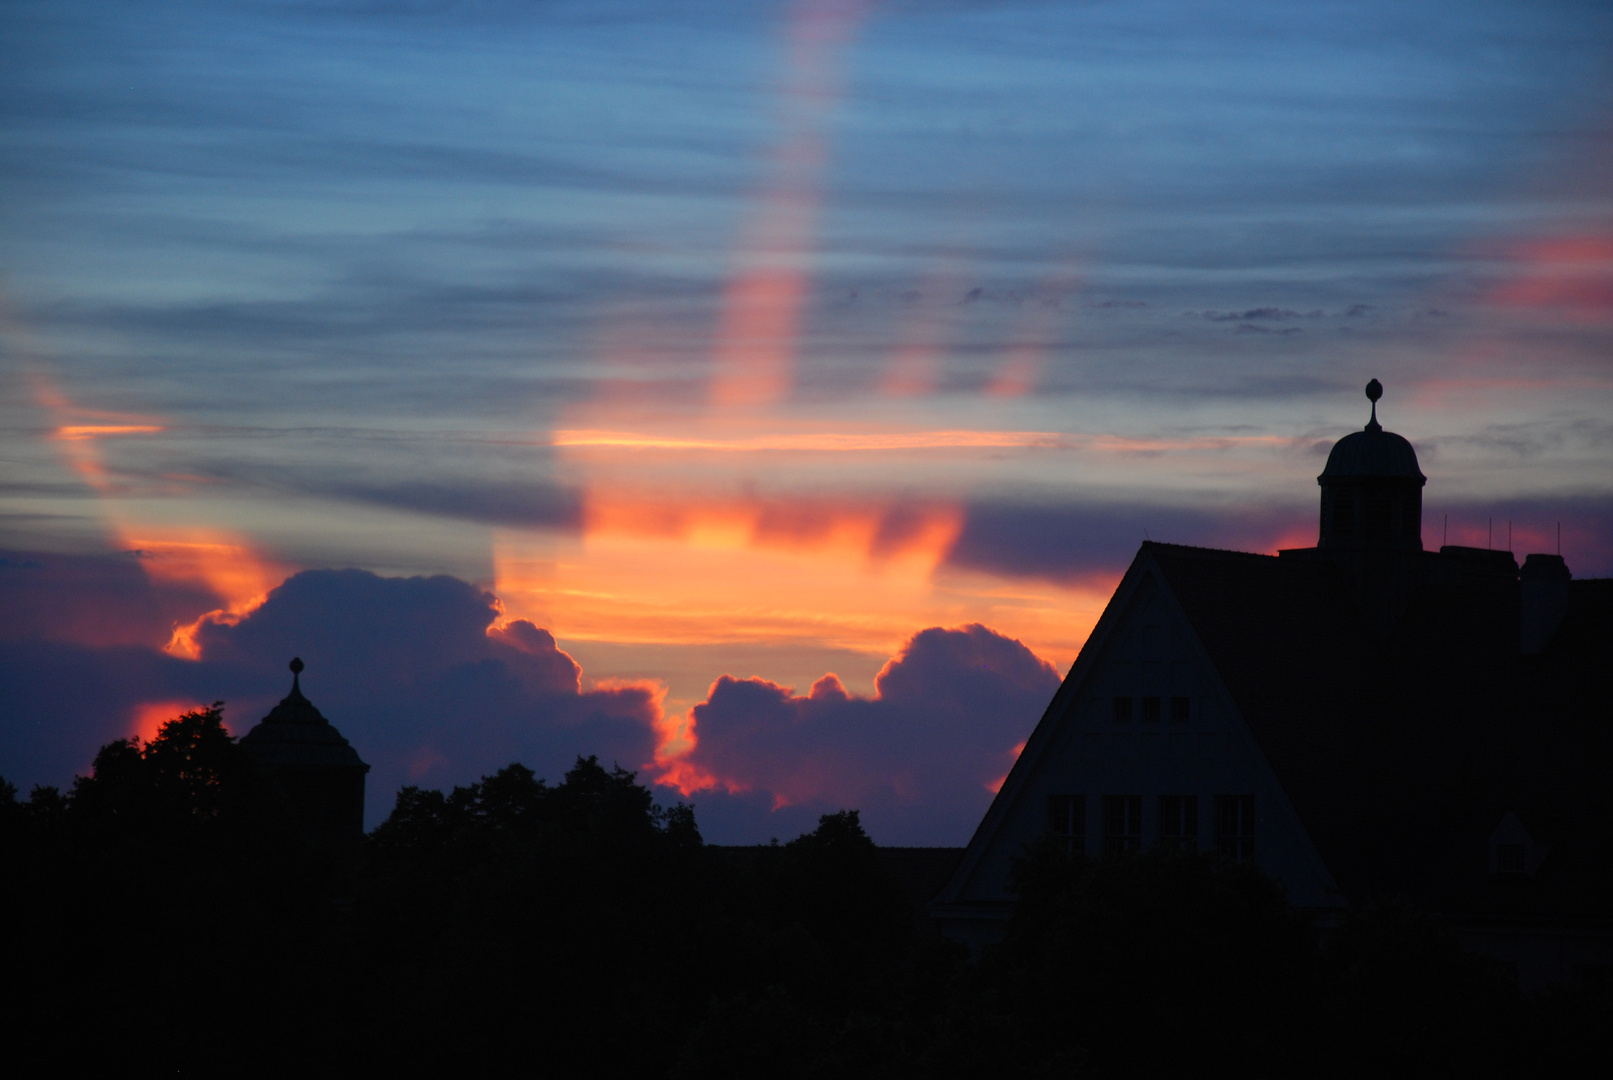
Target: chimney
[{"x": 1543, "y": 601}]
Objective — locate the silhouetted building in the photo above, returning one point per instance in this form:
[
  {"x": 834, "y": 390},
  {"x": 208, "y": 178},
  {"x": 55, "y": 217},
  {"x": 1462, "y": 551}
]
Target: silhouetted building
[
  {"x": 1363, "y": 719},
  {"x": 317, "y": 772}
]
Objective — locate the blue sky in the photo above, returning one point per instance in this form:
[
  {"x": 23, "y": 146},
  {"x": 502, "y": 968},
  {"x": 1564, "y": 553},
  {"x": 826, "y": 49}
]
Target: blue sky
[{"x": 754, "y": 339}]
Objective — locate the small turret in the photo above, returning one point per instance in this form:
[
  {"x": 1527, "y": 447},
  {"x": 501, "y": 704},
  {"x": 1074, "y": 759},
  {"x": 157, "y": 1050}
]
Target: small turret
[
  {"x": 1372, "y": 489},
  {"x": 316, "y": 770}
]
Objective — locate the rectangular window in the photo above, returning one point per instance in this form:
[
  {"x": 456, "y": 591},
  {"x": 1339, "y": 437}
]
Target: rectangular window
[
  {"x": 1067, "y": 818},
  {"x": 1179, "y": 822},
  {"x": 1122, "y": 824},
  {"x": 1150, "y": 710},
  {"x": 1122, "y": 710},
  {"x": 1235, "y": 827},
  {"x": 1181, "y": 710},
  {"x": 1509, "y": 858}
]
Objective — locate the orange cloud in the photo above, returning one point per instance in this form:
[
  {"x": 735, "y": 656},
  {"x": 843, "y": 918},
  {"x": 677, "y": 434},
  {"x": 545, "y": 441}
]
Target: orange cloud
[
  {"x": 823, "y": 441},
  {"x": 226, "y": 564},
  {"x": 147, "y": 717},
  {"x": 78, "y": 439},
  {"x": 79, "y": 432},
  {"x": 859, "y": 575}
]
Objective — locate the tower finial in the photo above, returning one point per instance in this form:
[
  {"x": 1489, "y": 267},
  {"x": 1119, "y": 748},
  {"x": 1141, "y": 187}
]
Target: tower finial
[
  {"x": 296, "y": 670},
  {"x": 1374, "y": 392}
]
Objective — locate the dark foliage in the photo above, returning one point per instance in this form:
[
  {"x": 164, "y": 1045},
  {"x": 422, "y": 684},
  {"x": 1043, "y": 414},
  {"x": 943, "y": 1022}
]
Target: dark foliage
[
  {"x": 164, "y": 886},
  {"x": 169, "y": 916},
  {"x": 1157, "y": 964}
]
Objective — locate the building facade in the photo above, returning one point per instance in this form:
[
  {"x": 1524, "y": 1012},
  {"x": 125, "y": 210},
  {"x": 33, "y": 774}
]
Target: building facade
[{"x": 1362, "y": 719}]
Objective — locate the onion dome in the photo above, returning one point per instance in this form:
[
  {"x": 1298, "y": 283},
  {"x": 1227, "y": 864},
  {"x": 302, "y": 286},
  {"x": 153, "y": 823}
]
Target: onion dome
[{"x": 1372, "y": 451}]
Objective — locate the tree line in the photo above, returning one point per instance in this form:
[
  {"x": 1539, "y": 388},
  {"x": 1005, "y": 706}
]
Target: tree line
[{"x": 166, "y": 912}]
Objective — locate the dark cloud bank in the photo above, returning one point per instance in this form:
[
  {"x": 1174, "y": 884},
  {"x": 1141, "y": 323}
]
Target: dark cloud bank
[{"x": 409, "y": 671}]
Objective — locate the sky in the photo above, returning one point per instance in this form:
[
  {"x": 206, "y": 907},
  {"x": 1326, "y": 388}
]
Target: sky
[{"x": 765, "y": 397}]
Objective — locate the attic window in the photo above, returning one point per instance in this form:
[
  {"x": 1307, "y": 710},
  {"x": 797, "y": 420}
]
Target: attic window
[
  {"x": 1151, "y": 710},
  {"x": 1181, "y": 709},
  {"x": 1122, "y": 710},
  {"x": 1067, "y": 819},
  {"x": 1509, "y": 859}
]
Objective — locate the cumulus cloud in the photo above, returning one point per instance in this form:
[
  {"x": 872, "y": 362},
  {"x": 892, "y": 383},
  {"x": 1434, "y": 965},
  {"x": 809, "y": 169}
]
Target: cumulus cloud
[
  {"x": 416, "y": 674},
  {"x": 422, "y": 677},
  {"x": 413, "y": 671},
  {"x": 919, "y": 758}
]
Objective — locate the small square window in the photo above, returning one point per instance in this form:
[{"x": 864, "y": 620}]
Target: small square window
[
  {"x": 1122, "y": 710},
  {"x": 1181, "y": 710},
  {"x": 1150, "y": 710},
  {"x": 1509, "y": 858},
  {"x": 1067, "y": 818}
]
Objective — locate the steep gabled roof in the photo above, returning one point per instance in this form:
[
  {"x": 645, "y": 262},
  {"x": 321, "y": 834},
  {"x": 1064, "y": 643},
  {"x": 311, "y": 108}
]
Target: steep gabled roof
[
  {"x": 1401, "y": 753},
  {"x": 1294, "y": 655}
]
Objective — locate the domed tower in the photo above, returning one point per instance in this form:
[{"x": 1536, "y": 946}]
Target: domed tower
[
  {"x": 313, "y": 767},
  {"x": 1372, "y": 490}
]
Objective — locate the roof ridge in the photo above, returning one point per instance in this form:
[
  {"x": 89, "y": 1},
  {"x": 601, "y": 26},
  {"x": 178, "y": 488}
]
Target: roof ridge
[{"x": 1197, "y": 549}]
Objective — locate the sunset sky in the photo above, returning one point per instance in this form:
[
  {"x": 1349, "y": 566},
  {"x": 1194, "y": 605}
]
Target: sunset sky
[{"x": 644, "y": 379}]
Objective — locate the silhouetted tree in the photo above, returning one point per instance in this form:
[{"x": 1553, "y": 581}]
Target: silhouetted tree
[
  {"x": 508, "y": 921},
  {"x": 167, "y": 875},
  {"x": 582, "y": 903},
  {"x": 813, "y": 972}
]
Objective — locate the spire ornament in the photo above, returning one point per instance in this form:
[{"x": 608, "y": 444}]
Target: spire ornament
[{"x": 1374, "y": 392}]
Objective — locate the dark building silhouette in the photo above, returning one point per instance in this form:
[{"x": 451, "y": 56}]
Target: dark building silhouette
[
  {"x": 1363, "y": 719},
  {"x": 316, "y": 771}
]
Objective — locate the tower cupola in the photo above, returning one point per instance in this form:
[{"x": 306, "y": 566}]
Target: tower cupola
[
  {"x": 1372, "y": 489},
  {"x": 316, "y": 771}
]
